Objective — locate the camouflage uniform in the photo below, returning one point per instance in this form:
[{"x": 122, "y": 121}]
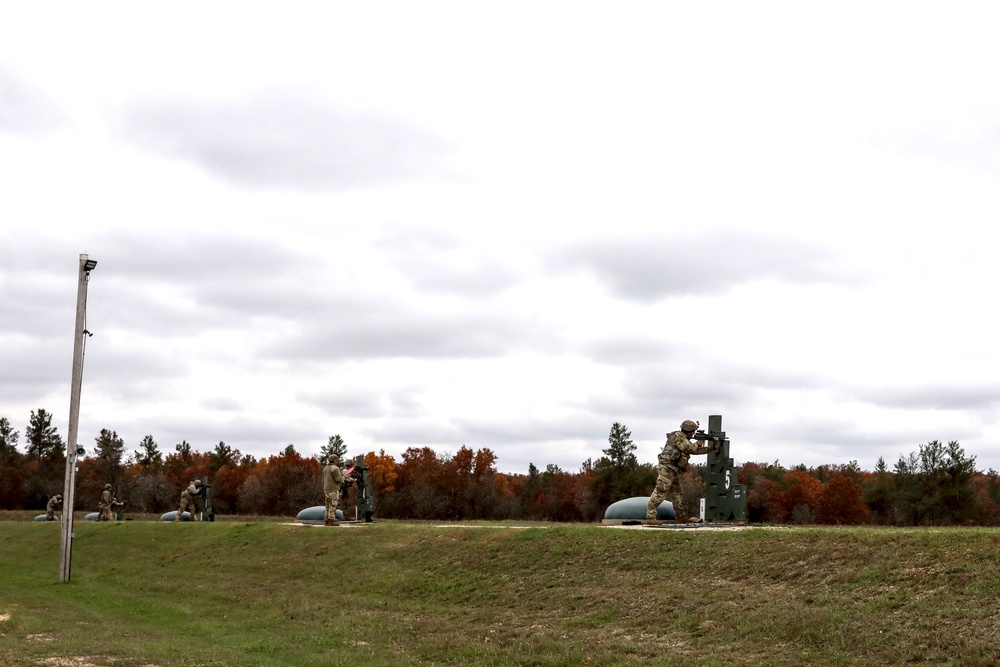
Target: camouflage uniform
[
  {"x": 50, "y": 510},
  {"x": 188, "y": 503},
  {"x": 333, "y": 479},
  {"x": 668, "y": 482},
  {"x": 104, "y": 506}
]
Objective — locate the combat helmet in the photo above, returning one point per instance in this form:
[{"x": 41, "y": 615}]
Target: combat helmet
[
  {"x": 107, "y": 486},
  {"x": 689, "y": 426}
]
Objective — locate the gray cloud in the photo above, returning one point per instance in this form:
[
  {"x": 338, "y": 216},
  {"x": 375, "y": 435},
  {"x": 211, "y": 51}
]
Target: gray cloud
[
  {"x": 167, "y": 287},
  {"x": 974, "y": 142},
  {"x": 438, "y": 263},
  {"x": 975, "y": 396},
  {"x": 534, "y": 430},
  {"x": 355, "y": 402},
  {"x": 631, "y": 349},
  {"x": 25, "y": 109},
  {"x": 38, "y": 285},
  {"x": 205, "y": 258},
  {"x": 831, "y": 440},
  {"x": 44, "y": 305},
  {"x": 149, "y": 299},
  {"x": 32, "y": 368},
  {"x": 134, "y": 375},
  {"x": 283, "y": 139},
  {"x": 363, "y": 330},
  {"x": 251, "y": 436},
  {"x": 653, "y": 268},
  {"x": 658, "y": 374},
  {"x": 668, "y": 392},
  {"x": 415, "y": 432}
]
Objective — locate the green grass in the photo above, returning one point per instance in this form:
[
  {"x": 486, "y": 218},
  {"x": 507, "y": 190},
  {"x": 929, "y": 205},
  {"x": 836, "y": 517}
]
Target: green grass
[{"x": 246, "y": 593}]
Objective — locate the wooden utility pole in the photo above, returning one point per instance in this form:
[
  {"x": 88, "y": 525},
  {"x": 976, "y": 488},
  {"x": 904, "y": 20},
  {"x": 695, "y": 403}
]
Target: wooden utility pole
[{"x": 69, "y": 485}]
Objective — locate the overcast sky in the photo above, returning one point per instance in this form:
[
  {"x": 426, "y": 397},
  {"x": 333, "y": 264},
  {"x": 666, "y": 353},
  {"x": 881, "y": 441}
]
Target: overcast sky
[{"x": 506, "y": 225}]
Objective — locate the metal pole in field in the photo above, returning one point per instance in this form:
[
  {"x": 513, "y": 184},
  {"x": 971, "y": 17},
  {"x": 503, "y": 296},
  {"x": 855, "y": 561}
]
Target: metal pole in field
[{"x": 69, "y": 485}]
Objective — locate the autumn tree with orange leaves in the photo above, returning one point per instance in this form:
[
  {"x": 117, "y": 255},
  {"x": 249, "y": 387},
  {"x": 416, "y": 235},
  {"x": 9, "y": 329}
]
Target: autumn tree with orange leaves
[{"x": 841, "y": 502}]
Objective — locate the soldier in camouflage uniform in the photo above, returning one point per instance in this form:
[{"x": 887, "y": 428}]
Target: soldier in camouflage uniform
[
  {"x": 188, "y": 500},
  {"x": 104, "y": 506},
  {"x": 55, "y": 502},
  {"x": 673, "y": 461},
  {"x": 333, "y": 479}
]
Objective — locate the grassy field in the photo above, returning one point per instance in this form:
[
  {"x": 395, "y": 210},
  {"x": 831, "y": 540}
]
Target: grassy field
[{"x": 241, "y": 593}]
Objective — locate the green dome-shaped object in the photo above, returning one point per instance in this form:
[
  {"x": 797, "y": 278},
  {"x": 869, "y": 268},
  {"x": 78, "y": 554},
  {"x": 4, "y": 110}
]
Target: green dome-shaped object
[
  {"x": 315, "y": 514},
  {"x": 634, "y": 509}
]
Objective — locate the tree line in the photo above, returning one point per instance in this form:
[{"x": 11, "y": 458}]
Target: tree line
[{"x": 936, "y": 485}]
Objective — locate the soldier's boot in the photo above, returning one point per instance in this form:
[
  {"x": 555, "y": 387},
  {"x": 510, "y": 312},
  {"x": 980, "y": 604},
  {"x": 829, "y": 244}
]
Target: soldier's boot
[
  {"x": 696, "y": 519},
  {"x": 331, "y": 522}
]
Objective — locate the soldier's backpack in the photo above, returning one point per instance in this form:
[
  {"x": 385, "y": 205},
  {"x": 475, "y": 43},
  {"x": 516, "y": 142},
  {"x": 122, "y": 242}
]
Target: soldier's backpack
[{"x": 670, "y": 453}]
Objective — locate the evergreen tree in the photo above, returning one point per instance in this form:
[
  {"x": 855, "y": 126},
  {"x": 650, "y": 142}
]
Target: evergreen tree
[
  {"x": 945, "y": 474},
  {"x": 531, "y": 492},
  {"x": 223, "y": 456},
  {"x": 334, "y": 446},
  {"x": 621, "y": 449},
  {"x": 110, "y": 447},
  {"x": 957, "y": 494},
  {"x": 108, "y": 457},
  {"x": 879, "y": 496},
  {"x": 11, "y": 475},
  {"x": 934, "y": 486},
  {"x": 44, "y": 442},
  {"x": 907, "y": 491},
  {"x": 184, "y": 449},
  {"x": 8, "y": 443},
  {"x": 150, "y": 454},
  {"x": 617, "y": 474}
]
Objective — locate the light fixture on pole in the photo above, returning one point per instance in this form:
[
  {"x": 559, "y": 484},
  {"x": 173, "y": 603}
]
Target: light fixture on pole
[{"x": 73, "y": 450}]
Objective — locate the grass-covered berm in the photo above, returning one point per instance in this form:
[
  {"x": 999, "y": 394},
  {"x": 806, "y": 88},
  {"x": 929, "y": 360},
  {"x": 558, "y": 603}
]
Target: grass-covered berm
[{"x": 244, "y": 593}]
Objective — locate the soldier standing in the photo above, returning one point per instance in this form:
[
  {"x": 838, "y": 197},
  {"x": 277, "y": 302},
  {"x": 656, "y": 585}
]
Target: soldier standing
[
  {"x": 188, "y": 500},
  {"x": 55, "y": 503},
  {"x": 333, "y": 479},
  {"x": 672, "y": 462},
  {"x": 104, "y": 512}
]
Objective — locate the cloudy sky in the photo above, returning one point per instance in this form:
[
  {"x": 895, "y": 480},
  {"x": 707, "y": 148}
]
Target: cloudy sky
[{"x": 506, "y": 225}]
